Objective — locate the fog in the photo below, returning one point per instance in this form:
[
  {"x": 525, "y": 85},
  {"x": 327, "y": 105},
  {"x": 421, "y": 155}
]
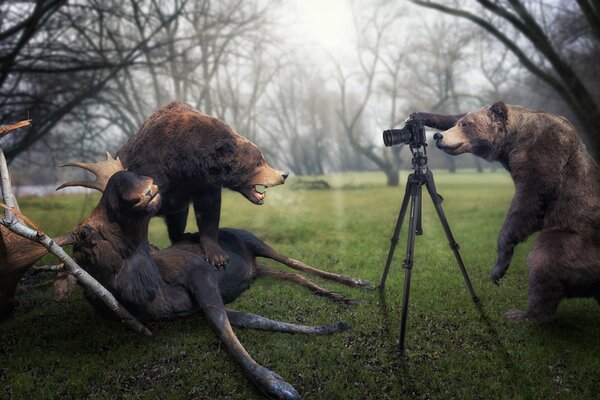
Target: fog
[{"x": 312, "y": 83}]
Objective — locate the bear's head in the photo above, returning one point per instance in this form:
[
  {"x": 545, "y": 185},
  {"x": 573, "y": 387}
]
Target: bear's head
[
  {"x": 246, "y": 170},
  {"x": 481, "y": 133}
]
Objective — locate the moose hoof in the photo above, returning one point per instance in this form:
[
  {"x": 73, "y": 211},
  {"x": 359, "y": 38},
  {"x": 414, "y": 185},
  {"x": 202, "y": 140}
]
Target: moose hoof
[
  {"x": 333, "y": 328},
  {"x": 274, "y": 386}
]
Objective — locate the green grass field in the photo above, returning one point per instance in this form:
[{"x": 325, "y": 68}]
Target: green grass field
[{"x": 63, "y": 350}]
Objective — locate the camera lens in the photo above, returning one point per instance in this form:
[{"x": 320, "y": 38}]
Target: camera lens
[{"x": 395, "y": 137}]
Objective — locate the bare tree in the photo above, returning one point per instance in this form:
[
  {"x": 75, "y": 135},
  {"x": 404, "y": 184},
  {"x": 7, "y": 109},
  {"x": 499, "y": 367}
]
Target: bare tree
[
  {"x": 536, "y": 48},
  {"x": 63, "y": 56},
  {"x": 438, "y": 65},
  {"x": 206, "y": 55},
  {"x": 296, "y": 116},
  {"x": 357, "y": 89}
]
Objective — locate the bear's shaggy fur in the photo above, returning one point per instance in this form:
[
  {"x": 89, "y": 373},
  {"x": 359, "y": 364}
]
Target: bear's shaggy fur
[
  {"x": 191, "y": 156},
  {"x": 557, "y": 192}
]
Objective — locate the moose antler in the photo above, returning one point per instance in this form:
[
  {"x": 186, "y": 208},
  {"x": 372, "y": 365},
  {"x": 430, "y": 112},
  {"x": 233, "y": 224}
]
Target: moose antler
[
  {"x": 9, "y": 128},
  {"x": 102, "y": 169},
  {"x": 12, "y": 234}
]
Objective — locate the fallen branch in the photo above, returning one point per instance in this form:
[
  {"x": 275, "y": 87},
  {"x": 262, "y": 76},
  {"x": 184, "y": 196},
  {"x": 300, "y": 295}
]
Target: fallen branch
[
  {"x": 11, "y": 222},
  {"x": 47, "y": 268}
]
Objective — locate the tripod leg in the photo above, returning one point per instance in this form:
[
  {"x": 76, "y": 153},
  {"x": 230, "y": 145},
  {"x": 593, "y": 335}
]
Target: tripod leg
[
  {"x": 419, "y": 226},
  {"x": 437, "y": 203},
  {"x": 394, "y": 240},
  {"x": 415, "y": 211}
]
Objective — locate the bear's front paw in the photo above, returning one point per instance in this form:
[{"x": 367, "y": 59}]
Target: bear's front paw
[
  {"x": 498, "y": 272},
  {"x": 213, "y": 253}
]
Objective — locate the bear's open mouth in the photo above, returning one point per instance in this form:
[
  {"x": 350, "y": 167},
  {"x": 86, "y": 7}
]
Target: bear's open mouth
[{"x": 255, "y": 193}]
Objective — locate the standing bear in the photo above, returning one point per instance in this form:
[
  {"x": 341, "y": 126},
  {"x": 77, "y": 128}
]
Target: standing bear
[
  {"x": 557, "y": 192},
  {"x": 191, "y": 156}
]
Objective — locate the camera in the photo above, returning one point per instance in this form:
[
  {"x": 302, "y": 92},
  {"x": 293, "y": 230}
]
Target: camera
[{"x": 412, "y": 134}]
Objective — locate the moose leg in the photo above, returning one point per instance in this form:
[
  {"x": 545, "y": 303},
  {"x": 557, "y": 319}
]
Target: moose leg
[
  {"x": 249, "y": 320},
  {"x": 302, "y": 281},
  {"x": 176, "y": 224},
  {"x": 263, "y": 250},
  {"x": 206, "y": 293},
  {"x": 207, "y": 206}
]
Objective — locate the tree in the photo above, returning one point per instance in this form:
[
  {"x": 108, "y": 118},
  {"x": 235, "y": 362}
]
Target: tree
[
  {"x": 438, "y": 66},
  {"x": 296, "y": 117},
  {"x": 357, "y": 88},
  {"x": 56, "y": 56},
  {"x": 213, "y": 58},
  {"x": 537, "y": 50}
]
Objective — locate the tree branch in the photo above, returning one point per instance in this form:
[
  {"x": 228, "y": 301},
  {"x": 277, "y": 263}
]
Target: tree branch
[{"x": 11, "y": 222}]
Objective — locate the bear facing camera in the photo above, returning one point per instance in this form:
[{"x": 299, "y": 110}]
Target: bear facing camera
[{"x": 557, "y": 192}]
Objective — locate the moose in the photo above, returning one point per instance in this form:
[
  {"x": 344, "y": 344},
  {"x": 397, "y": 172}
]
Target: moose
[{"x": 112, "y": 245}]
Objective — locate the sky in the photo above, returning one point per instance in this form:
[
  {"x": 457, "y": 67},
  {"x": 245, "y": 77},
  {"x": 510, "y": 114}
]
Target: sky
[{"x": 325, "y": 23}]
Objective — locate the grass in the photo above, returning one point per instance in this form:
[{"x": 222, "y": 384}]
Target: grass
[{"x": 52, "y": 350}]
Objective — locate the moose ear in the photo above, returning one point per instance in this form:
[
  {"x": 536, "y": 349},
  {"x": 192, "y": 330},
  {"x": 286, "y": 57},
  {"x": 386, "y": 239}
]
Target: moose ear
[{"x": 499, "y": 110}]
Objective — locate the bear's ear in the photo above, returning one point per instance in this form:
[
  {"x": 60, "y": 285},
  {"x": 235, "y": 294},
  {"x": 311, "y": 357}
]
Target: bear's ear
[{"x": 499, "y": 110}]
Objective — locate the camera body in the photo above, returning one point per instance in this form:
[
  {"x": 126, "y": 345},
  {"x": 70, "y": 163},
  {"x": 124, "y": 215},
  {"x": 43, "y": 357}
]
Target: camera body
[{"x": 412, "y": 134}]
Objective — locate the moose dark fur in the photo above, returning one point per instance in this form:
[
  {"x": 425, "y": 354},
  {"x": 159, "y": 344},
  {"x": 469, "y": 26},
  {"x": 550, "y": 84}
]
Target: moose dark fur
[
  {"x": 112, "y": 246},
  {"x": 192, "y": 157},
  {"x": 557, "y": 192}
]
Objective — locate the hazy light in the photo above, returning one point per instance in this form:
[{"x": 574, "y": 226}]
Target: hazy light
[{"x": 327, "y": 23}]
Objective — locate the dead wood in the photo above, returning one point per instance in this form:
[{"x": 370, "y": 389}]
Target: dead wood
[{"x": 21, "y": 246}]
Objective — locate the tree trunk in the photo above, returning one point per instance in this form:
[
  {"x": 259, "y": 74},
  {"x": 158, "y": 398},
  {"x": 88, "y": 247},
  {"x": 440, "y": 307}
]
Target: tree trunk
[
  {"x": 478, "y": 164},
  {"x": 451, "y": 162},
  {"x": 393, "y": 177}
]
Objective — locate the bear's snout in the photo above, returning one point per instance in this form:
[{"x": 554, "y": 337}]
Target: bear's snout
[
  {"x": 438, "y": 137},
  {"x": 285, "y": 175}
]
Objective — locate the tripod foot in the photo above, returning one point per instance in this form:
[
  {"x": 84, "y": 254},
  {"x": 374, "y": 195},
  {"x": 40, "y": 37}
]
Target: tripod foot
[{"x": 401, "y": 353}]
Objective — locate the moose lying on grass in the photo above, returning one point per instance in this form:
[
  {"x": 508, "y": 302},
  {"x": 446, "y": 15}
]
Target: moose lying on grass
[{"x": 112, "y": 245}]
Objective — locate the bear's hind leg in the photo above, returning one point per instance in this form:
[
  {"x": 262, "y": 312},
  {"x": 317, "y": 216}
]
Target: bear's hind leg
[{"x": 545, "y": 293}]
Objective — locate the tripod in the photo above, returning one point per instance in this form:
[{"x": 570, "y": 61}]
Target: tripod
[{"x": 421, "y": 176}]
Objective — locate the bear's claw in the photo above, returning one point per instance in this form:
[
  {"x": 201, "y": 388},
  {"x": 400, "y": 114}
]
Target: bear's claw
[
  {"x": 213, "y": 254},
  {"x": 498, "y": 272}
]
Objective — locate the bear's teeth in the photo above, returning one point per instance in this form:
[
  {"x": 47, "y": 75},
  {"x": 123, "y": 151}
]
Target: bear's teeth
[{"x": 262, "y": 189}]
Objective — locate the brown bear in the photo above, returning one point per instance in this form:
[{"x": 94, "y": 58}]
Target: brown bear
[
  {"x": 557, "y": 192},
  {"x": 191, "y": 156}
]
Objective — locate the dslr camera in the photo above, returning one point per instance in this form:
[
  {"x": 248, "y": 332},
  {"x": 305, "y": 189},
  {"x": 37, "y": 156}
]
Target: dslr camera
[{"x": 412, "y": 134}]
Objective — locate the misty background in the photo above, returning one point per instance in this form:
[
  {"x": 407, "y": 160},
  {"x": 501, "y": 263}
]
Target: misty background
[{"x": 312, "y": 83}]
